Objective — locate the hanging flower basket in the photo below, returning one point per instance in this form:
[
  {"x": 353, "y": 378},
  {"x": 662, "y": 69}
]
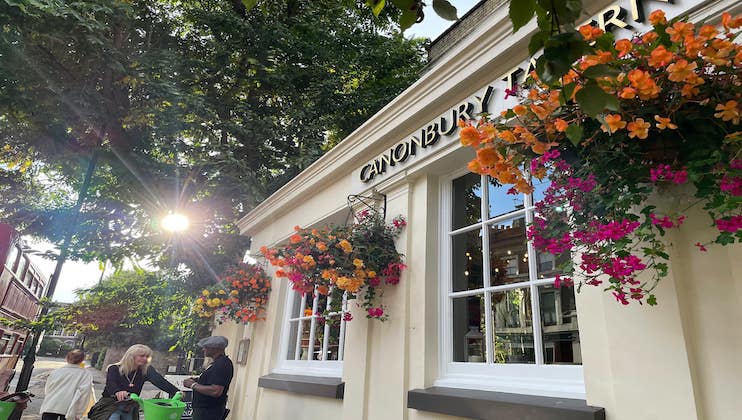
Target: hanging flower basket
[
  {"x": 357, "y": 260},
  {"x": 626, "y": 122},
  {"x": 240, "y": 296}
]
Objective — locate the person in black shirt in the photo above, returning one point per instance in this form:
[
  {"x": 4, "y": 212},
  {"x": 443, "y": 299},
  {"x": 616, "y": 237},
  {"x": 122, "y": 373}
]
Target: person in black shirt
[
  {"x": 127, "y": 377},
  {"x": 210, "y": 389}
]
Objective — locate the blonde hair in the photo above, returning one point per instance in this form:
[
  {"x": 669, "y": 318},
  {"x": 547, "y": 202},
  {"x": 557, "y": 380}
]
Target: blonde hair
[{"x": 126, "y": 364}]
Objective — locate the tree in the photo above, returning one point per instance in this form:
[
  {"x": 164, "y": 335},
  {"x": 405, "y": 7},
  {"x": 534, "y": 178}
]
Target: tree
[{"x": 204, "y": 107}]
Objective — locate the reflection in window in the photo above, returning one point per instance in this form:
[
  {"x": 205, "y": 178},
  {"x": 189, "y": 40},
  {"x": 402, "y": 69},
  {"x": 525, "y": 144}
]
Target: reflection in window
[
  {"x": 315, "y": 336},
  {"x": 467, "y": 200},
  {"x": 467, "y": 261},
  {"x": 503, "y": 302}
]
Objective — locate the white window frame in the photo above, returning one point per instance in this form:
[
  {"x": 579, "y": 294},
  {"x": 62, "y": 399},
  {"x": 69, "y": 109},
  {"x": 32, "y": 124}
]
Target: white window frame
[
  {"x": 326, "y": 368},
  {"x": 565, "y": 381}
]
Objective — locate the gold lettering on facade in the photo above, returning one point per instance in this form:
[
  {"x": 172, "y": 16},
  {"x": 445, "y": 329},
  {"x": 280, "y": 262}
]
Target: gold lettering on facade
[{"x": 615, "y": 13}]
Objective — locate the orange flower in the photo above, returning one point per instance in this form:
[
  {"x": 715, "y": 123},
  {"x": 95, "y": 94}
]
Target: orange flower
[
  {"x": 487, "y": 132},
  {"x": 638, "y": 128},
  {"x": 297, "y": 228},
  {"x": 628, "y": 93},
  {"x": 680, "y": 30},
  {"x": 520, "y": 110},
  {"x": 307, "y": 312},
  {"x": 660, "y": 57},
  {"x": 681, "y": 70},
  {"x": 644, "y": 84},
  {"x": 590, "y": 32},
  {"x": 624, "y": 46},
  {"x": 728, "y": 112},
  {"x": 475, "y": 166},
  {"x": 560, "y": 125},
  {"x": 657, "y": 18},
  {"x": 540, "y": 147},
  {"x": 649, "y": 37},
  {"x": 469, "y": 136},
  {"x": 540, "y": 111},
  {"x": 707, "y": 32},
  {"x": 689, "y": 90},
  {"x": 693, "y": 46},
  {"x": 663, "y": 123},
  {"x": 613, "y": 122},
  {"x": 487, "y": 156},
  {"x": 322, "y": 246},
  {"x": 729, "y": 23},
  {"x": 323, "y": 290},
  {"x": 508, "y": 136},
  {"x": 295, "y": 239}
]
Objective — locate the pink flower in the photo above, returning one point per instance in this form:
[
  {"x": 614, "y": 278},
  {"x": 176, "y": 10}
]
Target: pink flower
[
  {"x": 732, "y": 185},
  {"x": 374, "y": 281},
  {"x": 665, "y": 173},
  {"x": 729, "y": 224},
  {"x": 347, "y": 317},
  {"x": 375, "y": 312},
  {"x": 621, "y": 297},
  {"x": 666, "y": 222},
  {"x": 560, "y": 281},
  {"x": 701, "y": 247}
]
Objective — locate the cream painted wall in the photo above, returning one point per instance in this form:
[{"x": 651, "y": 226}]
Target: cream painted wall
[{"x": 679, "y": 359}]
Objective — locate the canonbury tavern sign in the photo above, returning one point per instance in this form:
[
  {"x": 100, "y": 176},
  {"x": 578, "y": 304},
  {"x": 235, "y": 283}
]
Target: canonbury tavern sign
[{"x": 625, "y": 17}]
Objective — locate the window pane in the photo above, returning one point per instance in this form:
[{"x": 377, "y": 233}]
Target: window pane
[
  {"x": 500, "y": 202},
  {"x": 508, "y": 252},
  {"x": 467, "y": 200},
  {"x": 467, "y": 261},
  {"x": 539, "y": 188},
  {"x": 333, "y": 342},
  {"x": 468, "y": 329},
  {"x": 513, "y": 338},
  {"x": 12, "y": 257},
  {"x": 561, "y": 337},
  {"x": 546, "y": 264}
]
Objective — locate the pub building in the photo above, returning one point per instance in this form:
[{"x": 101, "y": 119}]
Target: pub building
[{"x": 552, "y": 353}]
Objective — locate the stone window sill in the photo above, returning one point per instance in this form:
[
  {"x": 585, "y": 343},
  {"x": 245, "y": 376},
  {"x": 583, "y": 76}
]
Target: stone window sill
[
  {"x": 488, "y": 405},
  {"x": 310, "y": 385}
]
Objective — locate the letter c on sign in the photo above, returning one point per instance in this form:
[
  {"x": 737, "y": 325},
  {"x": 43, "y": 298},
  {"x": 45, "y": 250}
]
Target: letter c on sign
[{"x": 365, "y": 175}]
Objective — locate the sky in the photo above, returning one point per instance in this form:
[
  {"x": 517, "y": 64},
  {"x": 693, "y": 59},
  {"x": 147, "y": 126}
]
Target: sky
[
  {"x": 432, "y": 25},
  {"x": 80, "y": 275}
]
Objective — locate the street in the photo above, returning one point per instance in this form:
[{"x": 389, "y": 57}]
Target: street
[{"x": 43, "y": 367}]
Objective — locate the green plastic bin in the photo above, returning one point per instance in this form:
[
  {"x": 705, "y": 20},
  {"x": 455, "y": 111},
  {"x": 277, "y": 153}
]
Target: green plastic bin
[
  {"x": 161, "y": 409},
  {"x": 6, "y": 408}
]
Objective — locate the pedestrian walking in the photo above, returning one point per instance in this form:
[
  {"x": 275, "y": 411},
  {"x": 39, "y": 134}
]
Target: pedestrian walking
[
  {"x": 68, "y": 393},
  {"x": 125, "y": 378},
  {"x": 210, "y": 388}
]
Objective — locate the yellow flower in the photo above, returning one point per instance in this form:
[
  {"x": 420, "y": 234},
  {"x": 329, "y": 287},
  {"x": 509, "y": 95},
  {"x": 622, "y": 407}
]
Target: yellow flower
[
  {"x": 358, "y": 263},
  {"x": 345, "y": 246},
  {"x": 222, "y": 292},
  {"x": 234, "y": 293},
  {"x": 638, "y": 128},
  {"x": 371, "y": 273},
  {"x": 205, "y": 292},
  {"x": 729, "y": 112},
  {"x": 663, "y": 123}
]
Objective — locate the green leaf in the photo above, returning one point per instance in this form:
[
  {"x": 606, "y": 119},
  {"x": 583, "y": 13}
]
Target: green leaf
[
  {"x": 592, "y": 99},
  {"x": 537, "y": 42},
  {"x": 249, "y": 4},
  {"x": 521, "y": 12},
  {"x": 601, "y": 70},
  {"x": 567, "y": 92},
  {"x": 445, "y": 9},
  {"x": 408, "y": 18},
  {"x": 652, "y": 300},
  {"x": 574, "y": 134},
  {"x": 376, "y": 6}
]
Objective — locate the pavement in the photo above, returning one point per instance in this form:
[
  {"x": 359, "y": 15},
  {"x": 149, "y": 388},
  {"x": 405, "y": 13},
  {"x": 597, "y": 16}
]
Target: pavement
[{"x": 43, "y": 367}]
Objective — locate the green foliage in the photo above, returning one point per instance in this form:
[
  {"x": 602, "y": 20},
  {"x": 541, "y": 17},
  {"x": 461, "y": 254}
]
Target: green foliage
[{"x": 207, "y": 107}]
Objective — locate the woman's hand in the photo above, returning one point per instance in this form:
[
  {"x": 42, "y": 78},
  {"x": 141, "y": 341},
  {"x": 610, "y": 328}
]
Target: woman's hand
[{"x": 122, "y": 395}]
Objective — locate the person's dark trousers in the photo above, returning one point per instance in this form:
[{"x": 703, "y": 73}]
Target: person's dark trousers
[
  {"x": 211, "y": 413},
  {"x": 52, "y": 416}
]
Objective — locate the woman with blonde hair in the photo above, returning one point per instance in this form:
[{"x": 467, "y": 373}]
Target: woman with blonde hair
[{"x": 127, "y": 377}]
